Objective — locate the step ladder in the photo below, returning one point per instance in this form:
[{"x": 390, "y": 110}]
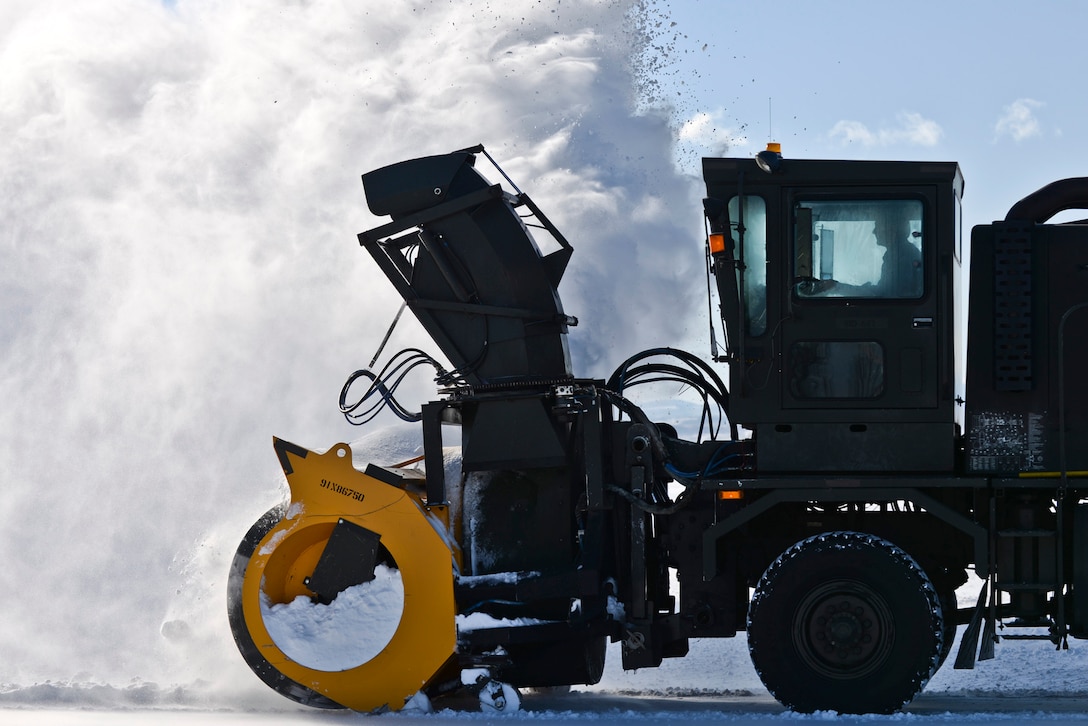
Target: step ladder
[{"x": 1030, "y": 562}]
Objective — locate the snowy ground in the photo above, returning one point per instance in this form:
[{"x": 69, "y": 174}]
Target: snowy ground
[{"x": 1026, "y": 683}]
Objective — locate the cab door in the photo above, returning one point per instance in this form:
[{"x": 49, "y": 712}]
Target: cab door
[{"x": 861, "y": 332}]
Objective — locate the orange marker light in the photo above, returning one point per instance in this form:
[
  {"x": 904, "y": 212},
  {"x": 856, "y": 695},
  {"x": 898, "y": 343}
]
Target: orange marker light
[
  {"x": 731, "y": 494},
  {"x": 717, "y": 243}
]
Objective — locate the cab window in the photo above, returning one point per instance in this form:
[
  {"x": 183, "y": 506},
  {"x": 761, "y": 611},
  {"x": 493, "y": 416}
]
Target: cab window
[
  {"x": 859, "y": 249},
  {"x": 752, "y": 211},
  {"x": 836, "y": 369}
]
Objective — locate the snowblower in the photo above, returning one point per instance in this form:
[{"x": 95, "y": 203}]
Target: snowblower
[{"x": 858, "y": 465}]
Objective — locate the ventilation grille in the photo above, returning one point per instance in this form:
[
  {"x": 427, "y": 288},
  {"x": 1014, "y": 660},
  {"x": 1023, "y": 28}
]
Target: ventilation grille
[{"x": 1012, "y": 308}]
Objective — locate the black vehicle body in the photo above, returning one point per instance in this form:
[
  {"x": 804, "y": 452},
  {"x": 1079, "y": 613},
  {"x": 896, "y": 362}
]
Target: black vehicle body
[{"x": 896, "y": 422}]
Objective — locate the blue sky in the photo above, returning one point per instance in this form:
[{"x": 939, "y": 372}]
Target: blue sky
[{"x": 997, "y": 86}]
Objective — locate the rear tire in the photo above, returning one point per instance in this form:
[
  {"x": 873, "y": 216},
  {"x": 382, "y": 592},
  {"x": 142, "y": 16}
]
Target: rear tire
[
  {"x": 264, "y": 670},
  {"x": 846, "y": 622}
]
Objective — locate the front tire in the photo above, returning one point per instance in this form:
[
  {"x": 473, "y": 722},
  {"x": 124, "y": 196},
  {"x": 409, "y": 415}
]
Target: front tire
[{"x": 846, "y": 622}]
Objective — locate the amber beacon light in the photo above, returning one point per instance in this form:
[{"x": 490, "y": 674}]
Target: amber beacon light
[{"x": 770, "y": 159}]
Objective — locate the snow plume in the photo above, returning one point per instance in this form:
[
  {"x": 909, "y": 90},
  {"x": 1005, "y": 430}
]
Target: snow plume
[{"x": 179, "y": 191}]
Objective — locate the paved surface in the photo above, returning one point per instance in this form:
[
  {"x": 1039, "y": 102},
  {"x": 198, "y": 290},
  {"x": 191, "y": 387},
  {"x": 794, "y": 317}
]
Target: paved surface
[{"x": 602, "y": 708}]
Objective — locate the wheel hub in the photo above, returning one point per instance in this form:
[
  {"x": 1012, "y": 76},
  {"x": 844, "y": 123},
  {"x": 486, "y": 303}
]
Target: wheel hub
[
  {"x": 846, "y": 630},
  {"x": 843, "y": 629}
]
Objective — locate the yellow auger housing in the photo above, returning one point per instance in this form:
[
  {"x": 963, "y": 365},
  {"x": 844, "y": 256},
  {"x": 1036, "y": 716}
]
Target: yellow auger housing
[{"x": 338, "y": 524}]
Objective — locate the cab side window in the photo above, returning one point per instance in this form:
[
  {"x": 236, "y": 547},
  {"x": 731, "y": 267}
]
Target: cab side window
[{"x": 751, "y": 211}]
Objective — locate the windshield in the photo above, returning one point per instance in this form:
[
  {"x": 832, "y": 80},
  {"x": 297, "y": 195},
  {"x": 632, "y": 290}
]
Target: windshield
[{"x": 859, "y": 249}]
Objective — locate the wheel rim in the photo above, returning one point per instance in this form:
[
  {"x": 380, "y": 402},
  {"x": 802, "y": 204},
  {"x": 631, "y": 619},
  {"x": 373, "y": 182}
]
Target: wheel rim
[{"x": 843, "y": 629}]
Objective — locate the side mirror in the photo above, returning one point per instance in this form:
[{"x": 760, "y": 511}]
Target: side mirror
[{"x": 717, "y": 215}]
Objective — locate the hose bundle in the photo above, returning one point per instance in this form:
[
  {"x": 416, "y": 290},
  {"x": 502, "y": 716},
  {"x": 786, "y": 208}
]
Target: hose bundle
[
  {"x": 696, "y": 374},
  {"x": 383, "y": 385}
]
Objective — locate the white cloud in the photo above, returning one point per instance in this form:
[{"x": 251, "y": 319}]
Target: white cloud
[
  {"x": 1018, "y": 120},
  {"x": 910, "y": 128}
]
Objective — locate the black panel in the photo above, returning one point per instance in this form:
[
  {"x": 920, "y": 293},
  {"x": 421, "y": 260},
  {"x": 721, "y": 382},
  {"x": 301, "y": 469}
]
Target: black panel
[
  {"x": 1079, "y": 616},
  {"x": 348, "y": 560},
  {"x": 1012, "y": 307},
  {"x": 417, "y": 184},
  {"x": 1014, "y": 393},
  {"x": 855, "y": 447},
  {"x": 510, "y": 433},
  {"x": 518, "y": 521}
]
